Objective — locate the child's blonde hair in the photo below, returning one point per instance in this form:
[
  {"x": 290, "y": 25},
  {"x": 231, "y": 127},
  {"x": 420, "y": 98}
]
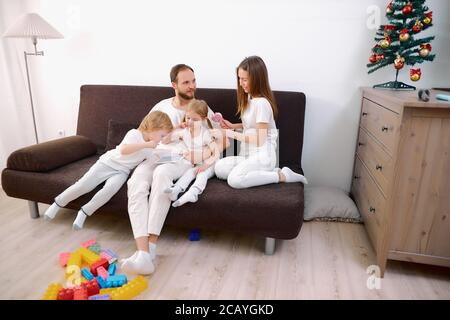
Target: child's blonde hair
[
  {"x": 200, "y": 107},
  {"x": 156, "y": 120}
]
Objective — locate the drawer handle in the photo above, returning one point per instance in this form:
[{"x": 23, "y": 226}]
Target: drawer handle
[
  {"x": 364, "y": 114},
  {"x": 361, "y": 144},
  {"x": 356, "y": 177},
  {"x": 372, "y": 209},
  {"x": 384, "y": 128},
  {"x": 378, "y": 167}
]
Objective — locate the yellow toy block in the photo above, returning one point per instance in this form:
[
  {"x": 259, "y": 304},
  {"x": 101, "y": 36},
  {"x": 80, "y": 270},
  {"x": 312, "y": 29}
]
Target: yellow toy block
[
  {"x": 88, "y": 256},
  {"x": 52, "y": 291},
  {"x": 73, "y": 264},
  {"x": 131, "y": 289},
  {"x": 108, "y": 290}
]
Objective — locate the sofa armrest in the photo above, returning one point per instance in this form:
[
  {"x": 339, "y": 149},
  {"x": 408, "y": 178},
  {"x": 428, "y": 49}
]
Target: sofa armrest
[{"x": 51, "y": 154}]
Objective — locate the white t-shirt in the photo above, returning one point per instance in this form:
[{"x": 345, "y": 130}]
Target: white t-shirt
[
  {"x": 198, "y": 142},
  {"x": 258, "y": 111},
  {"x": 127, "y": 162},
  {"x": 177, "y": 117}
]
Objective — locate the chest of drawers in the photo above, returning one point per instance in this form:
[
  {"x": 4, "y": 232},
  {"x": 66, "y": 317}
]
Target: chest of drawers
[{"x": 401, "y": 177}]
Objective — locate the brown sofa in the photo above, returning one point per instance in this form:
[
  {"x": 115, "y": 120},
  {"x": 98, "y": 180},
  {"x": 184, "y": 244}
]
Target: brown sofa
[{"x": 40, "y": 172}]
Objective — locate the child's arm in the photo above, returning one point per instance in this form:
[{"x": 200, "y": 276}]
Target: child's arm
[
  {"x": 171, "y": 137},
  {"x": 134, "y": 147},
  {"x": 214, "y": 147}
]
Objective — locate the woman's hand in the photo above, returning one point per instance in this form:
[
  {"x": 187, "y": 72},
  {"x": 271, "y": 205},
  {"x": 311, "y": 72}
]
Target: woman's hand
[{"x": 225, "y": 124}]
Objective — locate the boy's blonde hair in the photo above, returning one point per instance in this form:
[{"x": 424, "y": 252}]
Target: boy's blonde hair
[
  {"x": 156, "y": 120},
  {"x": 200, "y": 107}
]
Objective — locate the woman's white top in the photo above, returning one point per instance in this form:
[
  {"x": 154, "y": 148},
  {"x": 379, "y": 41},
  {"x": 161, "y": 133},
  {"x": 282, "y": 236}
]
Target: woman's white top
[{"x": 259, "y": 110}]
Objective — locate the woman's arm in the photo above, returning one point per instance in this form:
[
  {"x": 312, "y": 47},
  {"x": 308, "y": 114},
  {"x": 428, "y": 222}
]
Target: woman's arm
[
  {"x": 225, "y": 124},
  {"x": 258, "y": 139},
  {"x": 134, "y": 147}
]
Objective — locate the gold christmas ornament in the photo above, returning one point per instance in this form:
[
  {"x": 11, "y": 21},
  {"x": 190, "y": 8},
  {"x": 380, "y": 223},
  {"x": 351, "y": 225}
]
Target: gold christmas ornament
[{"x": 399, "y": 62}]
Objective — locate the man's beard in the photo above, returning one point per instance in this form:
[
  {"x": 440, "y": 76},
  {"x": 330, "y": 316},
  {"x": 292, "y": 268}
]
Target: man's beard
[{"x": 185, "y": 96}]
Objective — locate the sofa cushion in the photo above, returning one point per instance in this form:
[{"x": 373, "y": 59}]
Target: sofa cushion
[
  {"x": 52, "y": 154},
  {"x": 116, "y": 132}
]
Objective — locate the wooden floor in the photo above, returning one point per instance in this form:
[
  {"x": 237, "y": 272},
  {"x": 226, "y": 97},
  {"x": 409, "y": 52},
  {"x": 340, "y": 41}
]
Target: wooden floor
[{"x": 328, "y": 260}]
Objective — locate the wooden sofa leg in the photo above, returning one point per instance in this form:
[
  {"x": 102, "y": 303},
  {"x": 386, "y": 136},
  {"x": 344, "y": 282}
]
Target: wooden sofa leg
[
  {"x": 34, "y": 209},
  {"x": 270, "y": 246}
]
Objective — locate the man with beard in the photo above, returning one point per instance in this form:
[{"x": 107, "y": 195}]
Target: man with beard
[{"x": 147, "y": 213}]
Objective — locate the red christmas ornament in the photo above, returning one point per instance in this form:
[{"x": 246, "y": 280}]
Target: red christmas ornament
[
  {"x": 404, "y": 35},
  {"x": 407, "y": 9},
  {"x": 399, "y": 62},
  {"x": 417, "y": 26},
  {"x": 389, "y": 28},
  {"x": 380, "y": 57},
  {"x": 414, "y": 74},
  {"x": 428, "y": 18},
  {"x": 373, "y": 58},
  {"x": 424, "y": 50},
  {"x": 385, "y": 43}
]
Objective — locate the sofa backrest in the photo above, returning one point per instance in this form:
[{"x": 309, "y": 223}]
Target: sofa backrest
[{"x": 129, "y": 104}]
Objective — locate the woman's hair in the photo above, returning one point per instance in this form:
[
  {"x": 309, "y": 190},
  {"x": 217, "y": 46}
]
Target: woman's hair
[
  {"x": 200, "y": 107},
  {"x": 156, "y": 120},
  {"x": 258, "y": 84}
]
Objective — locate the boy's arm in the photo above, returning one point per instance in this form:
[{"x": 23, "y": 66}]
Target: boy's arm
[{"x": 134, "y": 147}]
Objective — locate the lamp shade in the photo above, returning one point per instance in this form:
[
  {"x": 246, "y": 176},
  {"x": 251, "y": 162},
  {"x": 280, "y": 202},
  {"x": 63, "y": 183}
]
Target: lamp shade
[{"x": 32, "y": 25}]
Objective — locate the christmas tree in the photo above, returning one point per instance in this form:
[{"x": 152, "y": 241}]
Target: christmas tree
[{"x": 398, "y": 42}]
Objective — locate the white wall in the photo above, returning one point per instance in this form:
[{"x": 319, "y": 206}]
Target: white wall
[{"x": 318, "y": 47}]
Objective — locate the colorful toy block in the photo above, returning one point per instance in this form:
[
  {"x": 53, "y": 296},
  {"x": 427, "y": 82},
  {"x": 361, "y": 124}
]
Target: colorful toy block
[
  {"x": 65, "y": 294},
  {"x": 116, "y": 281},
  {"x": 108, "y": 290},
  {"x": 111, "y": 253},
  {"x": 88, "y": 256},
  {"x": 100, "y": 263},
  {"x": 92, "y": 287},
  {"x": 73, "y": 264},
  {"x": 101, "y": 282},
  {"x": 80, "y": 293},
  {"x": 112, "y": 269},
  {"x": 100, "y": 297},
  {"x": 194, "y": 235},
  {"x": 105, "y": 255},
  {"x": 63, "y": 258},
  {"x": 87, "y": 274},
  {"x": 131, "y": 289},
  {"x": 52, "y": 291},
  {"x": 88, "y": 243},
  {"x": 95, "y": 248},
  {"x": 101, "y": 271}
]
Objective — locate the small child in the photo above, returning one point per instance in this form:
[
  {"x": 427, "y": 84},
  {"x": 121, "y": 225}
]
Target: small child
[
  {"x": 114, "y": 167},
  {"x": 196, "y": 136}
]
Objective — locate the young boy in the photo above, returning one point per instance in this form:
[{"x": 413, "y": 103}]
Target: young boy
[{"x": 114, "y": 167}]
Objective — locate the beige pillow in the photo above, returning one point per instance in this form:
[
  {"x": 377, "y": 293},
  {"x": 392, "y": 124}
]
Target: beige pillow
[{"x": 330, "y": 204}]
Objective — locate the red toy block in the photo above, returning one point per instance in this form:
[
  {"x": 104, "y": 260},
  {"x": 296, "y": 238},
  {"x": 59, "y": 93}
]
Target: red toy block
[
  {"x": 102, "y": 272},
  {"x": 92, "y": 287},
  {"x": 89, "y": 243},
  {"x": 80, "y": 293},
  {"x": 63, "y": 258},
  {"x": 100, "y": 263},
  {"x": 65, "y": 294}
]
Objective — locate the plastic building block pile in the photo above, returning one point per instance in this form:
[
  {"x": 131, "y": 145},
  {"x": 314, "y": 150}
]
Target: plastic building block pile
[{"x": 91, "y": 275}]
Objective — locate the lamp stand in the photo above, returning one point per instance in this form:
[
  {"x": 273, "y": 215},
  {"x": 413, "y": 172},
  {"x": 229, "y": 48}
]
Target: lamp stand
[{"x": 26, "y": 54}]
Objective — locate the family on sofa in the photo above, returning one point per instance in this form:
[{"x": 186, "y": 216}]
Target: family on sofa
[{"x": 183, "y": 125}]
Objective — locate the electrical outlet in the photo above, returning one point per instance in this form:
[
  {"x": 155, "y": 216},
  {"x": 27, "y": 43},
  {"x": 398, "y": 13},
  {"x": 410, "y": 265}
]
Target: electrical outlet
[{"x": 61, "y": 133}]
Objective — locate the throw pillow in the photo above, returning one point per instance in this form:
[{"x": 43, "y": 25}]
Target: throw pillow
[{"x": 329, "y": 204}]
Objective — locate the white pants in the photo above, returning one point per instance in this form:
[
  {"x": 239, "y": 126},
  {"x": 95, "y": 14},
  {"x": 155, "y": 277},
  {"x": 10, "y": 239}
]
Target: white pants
[
  {"x": 148, "y": 213},
  {"x": 200, "y": 180},
  {"x": 98, "y": 173},
  {"x": 257, "y": 169}
]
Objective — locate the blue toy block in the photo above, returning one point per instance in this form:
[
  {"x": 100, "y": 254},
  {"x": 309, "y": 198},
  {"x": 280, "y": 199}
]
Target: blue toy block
[
  {"x": 111, "y": 253},
  {"x": 100, "y": 297},
  {"x": 194, "y": 235},
  {"x": 102, "y": 283},
  {"x": 112, "y": 269},
  {"x": 116, "y": 281},
  {"x": 87, "y": 274}
]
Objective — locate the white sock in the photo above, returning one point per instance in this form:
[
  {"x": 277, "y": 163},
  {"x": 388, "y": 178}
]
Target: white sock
[
  {"x": 152, "y": 250},
  {"x": 124, "y": 262},
  {"x": 141, "y": 264},
  {"x": 51, "y": 211},
  {"x": 291, "y": 176},
  {"x": 173, "y": 192},
  {"x": 190, "y": 196},
  {"x": 79, "y": 221}
]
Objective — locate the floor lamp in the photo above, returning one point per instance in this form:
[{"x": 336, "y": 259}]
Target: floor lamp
[{"x": 33, "y": 26}]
